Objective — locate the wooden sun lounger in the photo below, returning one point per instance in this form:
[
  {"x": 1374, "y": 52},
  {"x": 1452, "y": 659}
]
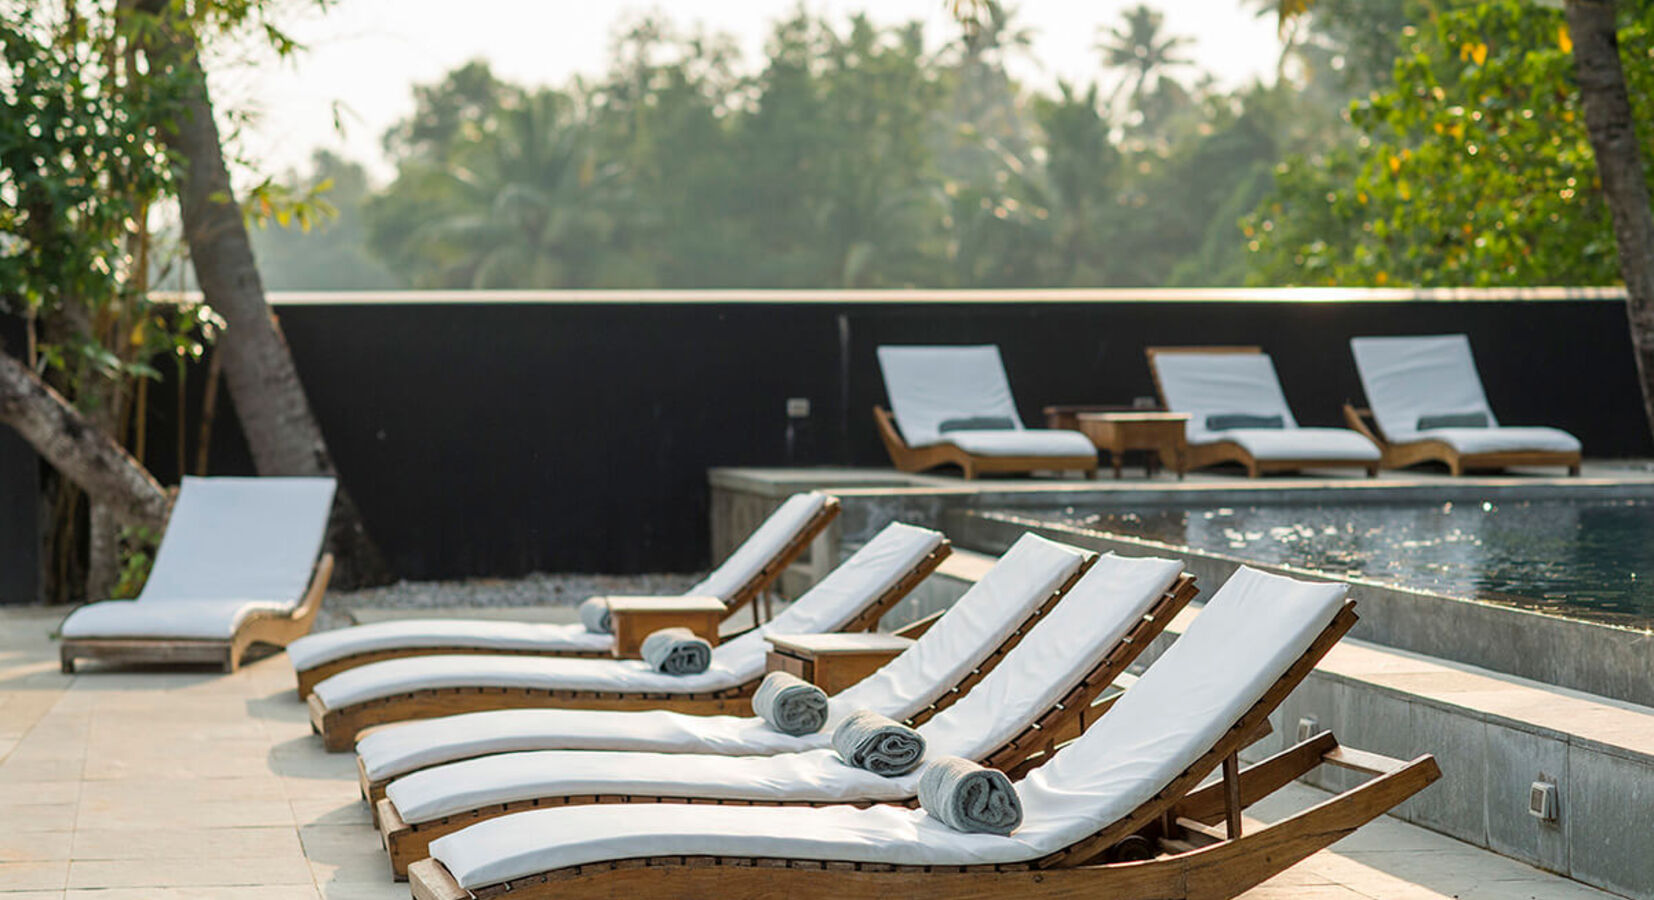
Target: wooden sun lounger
[
  {"x": 408, "y": 843},
  {"x": 1411, "y": 453},
  {"x": 919, "y": 459},
  {"x": 275, "y": 629},
  {"x": 748, "y": 594},
  {"x": 339, "y": 728},
  {"x": 1199, "y": 456},
  {"x": 1189, "y": 856}
]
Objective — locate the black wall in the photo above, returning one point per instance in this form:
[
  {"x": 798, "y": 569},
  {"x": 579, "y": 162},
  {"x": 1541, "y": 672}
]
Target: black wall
[
  {"x": 503, "y": 438},
  {"x": 19, "y": 501}
]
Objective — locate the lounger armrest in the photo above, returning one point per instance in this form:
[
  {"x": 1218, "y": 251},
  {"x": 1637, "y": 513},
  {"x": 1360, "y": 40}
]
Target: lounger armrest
[
  {"x": 634, "y": 618},
  {"x": 833, "y": 662}
]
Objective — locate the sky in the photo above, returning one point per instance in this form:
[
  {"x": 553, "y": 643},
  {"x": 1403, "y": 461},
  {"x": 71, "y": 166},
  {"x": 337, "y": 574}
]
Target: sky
[{"x": 362, "y": 57}]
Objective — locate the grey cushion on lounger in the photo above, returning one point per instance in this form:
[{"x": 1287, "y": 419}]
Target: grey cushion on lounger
[
  {"x": 976, "y": 423},
  {"x": 968, "y": 797},
  {"x": 1228, "y": 421},
  {"x": 594, "y": 614},
  {"x": 790, "y": 704},
  {"x": 879, "y": 744},
  {"x": 677, "y": 651},
  {"x": 1453, "y": 420}
]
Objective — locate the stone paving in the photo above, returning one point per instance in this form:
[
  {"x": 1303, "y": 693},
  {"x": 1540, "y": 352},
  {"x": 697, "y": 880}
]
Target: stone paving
[{"x": 153, "y": 785}]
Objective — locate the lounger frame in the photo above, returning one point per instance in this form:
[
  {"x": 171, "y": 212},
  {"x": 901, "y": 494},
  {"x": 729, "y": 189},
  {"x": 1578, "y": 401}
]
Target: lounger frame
[
  {"x": 339, "y": 728},
  {"x": 1194, "y": 860},
  {"x": 1199, "y": 456},
  {"x": 747, "y": 594},
  {"x": 919, "y": 459},
  {"x": 408, "y": 843},
  {"x": 263, "y": 627},
  {"x": 1411, "y": 453}
]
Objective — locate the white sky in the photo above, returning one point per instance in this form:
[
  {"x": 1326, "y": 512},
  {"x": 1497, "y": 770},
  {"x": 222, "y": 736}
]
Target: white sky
[{"x": 364, "y": 56}]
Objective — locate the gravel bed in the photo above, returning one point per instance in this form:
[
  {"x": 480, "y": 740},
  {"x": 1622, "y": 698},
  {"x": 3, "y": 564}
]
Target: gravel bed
[{"x": 533, "y": 590}]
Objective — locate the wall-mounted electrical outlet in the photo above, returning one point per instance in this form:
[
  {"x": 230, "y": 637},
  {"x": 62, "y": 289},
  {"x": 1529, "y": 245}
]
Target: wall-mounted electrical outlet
[
  {"x": 798, "y": 407},
  {"x": 1308, "y": 727}
]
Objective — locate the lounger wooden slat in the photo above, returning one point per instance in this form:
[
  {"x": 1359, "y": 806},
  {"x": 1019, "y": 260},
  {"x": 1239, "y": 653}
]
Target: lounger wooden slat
[
  {"x": 745, "y": 596},
  {"x": 1214, "y": 870},
  {"x": 339, "y": 728},
  {"x": 407, "y": 842},
  {"x": 971, "y": 465}
]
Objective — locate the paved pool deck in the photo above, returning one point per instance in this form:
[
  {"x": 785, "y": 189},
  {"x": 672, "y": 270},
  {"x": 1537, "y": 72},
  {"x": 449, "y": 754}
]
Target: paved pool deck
[{"x": 156, "y": 785}]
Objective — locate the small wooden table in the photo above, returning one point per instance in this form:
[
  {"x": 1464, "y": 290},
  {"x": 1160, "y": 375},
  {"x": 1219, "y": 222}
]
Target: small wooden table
[
  {"x": 1117, "y": 432},
  {"x": 833, "y": 662},
  {"x": 634, "y": 618}
]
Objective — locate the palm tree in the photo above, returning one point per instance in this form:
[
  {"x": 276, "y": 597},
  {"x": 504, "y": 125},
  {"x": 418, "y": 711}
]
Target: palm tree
[{"x": 1139, "y": 46}]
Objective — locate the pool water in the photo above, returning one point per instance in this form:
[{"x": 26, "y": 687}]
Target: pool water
[{"x": 1592, "y": 560}]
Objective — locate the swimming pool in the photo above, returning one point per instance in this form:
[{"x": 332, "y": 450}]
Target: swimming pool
[{"x": 1588, "y": 559}]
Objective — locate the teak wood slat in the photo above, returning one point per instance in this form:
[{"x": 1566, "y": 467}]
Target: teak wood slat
[
  {"x": 1199, "y": 456},
  {"x": 276, "y": 629},
  {"x": 1411, "y": 453},
  {"x": 409, "y": 842},
  {"x": 339, "y": 728},
  {"x": 919, "y": 459},
  {"x": 1208, "y": 869},
  {"x": 307, "y": 679}
]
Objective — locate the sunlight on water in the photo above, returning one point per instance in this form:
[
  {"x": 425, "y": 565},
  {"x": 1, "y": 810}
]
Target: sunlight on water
[{"x": 1575, "y": 559}]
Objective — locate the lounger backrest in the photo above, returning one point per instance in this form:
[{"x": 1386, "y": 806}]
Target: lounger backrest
[
  {"x": 837, "y": 598},
  {"x": 1408, "y": 377},
  {"x": 761, "y": 547},
  {"x": 973, "y": 628},
  {"x": 237, "y": 539},
  {"x": 930, "y": 385},
  {"x": 1060, "y": 650},
  {"x": 1219, "y": 384},
  {"x": 1244, "y": 641}
]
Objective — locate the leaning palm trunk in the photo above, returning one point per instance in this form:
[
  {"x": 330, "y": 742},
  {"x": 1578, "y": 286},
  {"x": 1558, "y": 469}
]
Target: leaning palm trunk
[
  {"x": 275, "y": 415},
  {"x": 1612, "y": 129},
  {"x": 78, "y": 449}
]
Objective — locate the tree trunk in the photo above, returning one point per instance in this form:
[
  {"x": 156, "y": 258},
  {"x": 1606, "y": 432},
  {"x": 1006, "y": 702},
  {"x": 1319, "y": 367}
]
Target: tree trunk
[
  {"x": 103, "y": 552},
  {"x": 264, "y": 385},
  {"x": 1608, "y": 120},
  {"x": 78, "y": 449}
]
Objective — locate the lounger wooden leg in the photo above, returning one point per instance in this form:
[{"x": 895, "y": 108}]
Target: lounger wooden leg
[{"x": 1232, "y": 795}]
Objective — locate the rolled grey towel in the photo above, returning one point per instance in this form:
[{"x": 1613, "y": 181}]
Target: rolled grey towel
[
  {"x": 594, "y": 614},
  {"x": 790, "y": 704},
  {"x": 969, "y": 797},
  {"x": 677, "y": 651},
  {"x": 879, "y": 744}
]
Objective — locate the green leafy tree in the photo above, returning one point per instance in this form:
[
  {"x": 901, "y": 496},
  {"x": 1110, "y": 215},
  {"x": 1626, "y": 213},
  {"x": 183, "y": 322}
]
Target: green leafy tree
[{"x": 1475, "y": 169}]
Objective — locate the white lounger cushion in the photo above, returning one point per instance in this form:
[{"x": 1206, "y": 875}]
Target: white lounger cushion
[
  {"x": 1301, "y": 443},
  {"x": 233, "y": 547},
  {"x": 829, "y": 606},
  {"x": 930, "y": 385},
  {"x": 978, "y": 622},
  {"x": 759, "y": 549},
  {"x": 1246, "y": 638},
  {"x": 1059, "y": 651},
  {"x": 1409, "y": 377},
  {"x": 478, "y": 634},
  {"x": 1208, "y": 384},
  {"x": 1023, "y": 442}
]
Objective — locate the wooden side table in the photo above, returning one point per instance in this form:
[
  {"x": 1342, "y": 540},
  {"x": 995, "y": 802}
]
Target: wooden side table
[
  {"x": 833, "y": 662},
  {"x": 634, "y": 618},
  {"x": 1117, "y": 432}
]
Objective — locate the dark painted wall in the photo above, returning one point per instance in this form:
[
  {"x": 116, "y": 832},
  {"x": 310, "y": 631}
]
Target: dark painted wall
[
  {"x": 19, "y": 502},
  {"x": 498, "y": 439}
]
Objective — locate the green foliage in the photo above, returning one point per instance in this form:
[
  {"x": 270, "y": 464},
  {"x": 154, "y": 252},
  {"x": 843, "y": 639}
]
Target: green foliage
[
  {"x": 849, "y": 156},
  {"x": 138, "y": 545},
  {"x": 1473, "y": 169}
]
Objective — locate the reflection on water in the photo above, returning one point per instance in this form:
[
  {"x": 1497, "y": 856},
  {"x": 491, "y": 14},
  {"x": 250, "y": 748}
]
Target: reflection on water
[{"x": 1587, "y": 560}]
